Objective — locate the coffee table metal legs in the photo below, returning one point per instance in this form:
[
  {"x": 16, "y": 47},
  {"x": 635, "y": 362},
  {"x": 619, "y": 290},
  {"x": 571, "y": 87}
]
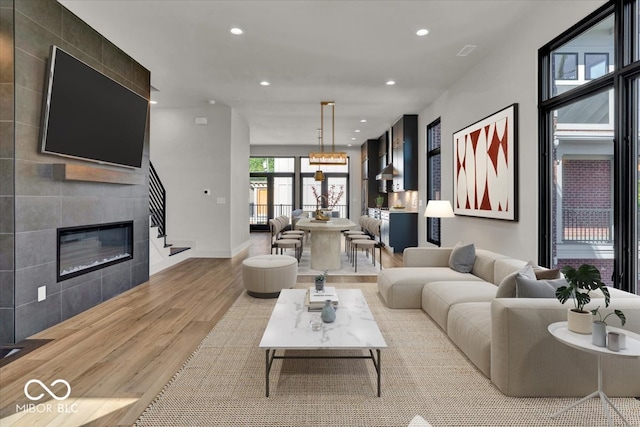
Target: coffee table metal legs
[
  {"x": 270, "y": 355},
  {"x": 603, "y": 398}
]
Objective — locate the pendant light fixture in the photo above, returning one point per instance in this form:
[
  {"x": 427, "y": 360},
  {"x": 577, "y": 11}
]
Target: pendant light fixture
[
  {"x": 319, "y": 175},
  {"x": 332, "y": 157}
]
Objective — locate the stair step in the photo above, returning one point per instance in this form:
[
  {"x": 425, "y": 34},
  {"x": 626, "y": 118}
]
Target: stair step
[
  {"x": 177, "y": 250},
  {"x": 168, "y": 245}
]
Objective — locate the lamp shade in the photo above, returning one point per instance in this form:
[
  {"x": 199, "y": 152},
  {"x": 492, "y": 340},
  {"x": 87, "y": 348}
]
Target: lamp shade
[
  {"x": 318, "y": 176},
  {"x": 439, "y": 209}
]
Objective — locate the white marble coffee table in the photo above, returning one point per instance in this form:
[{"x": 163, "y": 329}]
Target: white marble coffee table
[{"x": 289, "y": 329}]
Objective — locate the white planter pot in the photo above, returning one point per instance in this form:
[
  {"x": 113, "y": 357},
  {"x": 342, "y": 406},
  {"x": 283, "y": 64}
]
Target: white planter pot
[{"x": 579, "y": 322}]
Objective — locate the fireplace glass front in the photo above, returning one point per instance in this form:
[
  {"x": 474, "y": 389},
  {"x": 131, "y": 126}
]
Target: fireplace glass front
[{"x": 88, "y": 248}]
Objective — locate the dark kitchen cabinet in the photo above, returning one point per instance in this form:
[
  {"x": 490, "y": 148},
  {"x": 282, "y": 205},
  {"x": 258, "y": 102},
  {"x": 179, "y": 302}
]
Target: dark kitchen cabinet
[
  {"x": 369, "y": 157},
  {"x": 384, "y": 158},
  {"x": 399, "y": 230},
  {"x": 404, "y": 144}
]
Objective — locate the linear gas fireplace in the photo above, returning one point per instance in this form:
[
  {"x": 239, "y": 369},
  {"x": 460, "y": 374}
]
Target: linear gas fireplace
[{"x": 91, "y": 247}]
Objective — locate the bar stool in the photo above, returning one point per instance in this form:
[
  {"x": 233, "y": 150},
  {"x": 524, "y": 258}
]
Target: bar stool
[{"x": 373, "y": 227}]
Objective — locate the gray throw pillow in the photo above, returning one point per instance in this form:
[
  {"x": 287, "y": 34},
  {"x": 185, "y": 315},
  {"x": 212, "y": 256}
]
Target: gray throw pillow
[
  {"x": 531, "y": 288},
  {"x": 462, "y": 257},
  {"x": 507, "y": 287}
]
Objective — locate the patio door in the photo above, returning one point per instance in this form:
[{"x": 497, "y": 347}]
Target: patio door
[
  {"x": 271, "y": 196},
  {"x": 271, "y": 193}
]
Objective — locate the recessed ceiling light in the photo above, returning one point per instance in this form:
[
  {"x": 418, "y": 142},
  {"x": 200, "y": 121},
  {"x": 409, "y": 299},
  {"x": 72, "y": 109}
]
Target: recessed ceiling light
[
  {"x": 363, "y": 121},
  {"x": 422, "y": 32},
  {"x": 357, "y": 130},
  {"x": 211, "y": 101},
  {"x": 390, "y": 83},
  {"x": 236, "y": 31},
  {"x": 264, "y": 83},
  {"x": 153, "y": 102},
  {"x": 353, "y": 139},
  {"x": 349, "y": 145}
]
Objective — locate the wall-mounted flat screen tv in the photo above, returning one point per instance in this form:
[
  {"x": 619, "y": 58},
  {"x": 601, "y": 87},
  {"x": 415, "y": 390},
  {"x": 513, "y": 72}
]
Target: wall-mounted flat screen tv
[{"x": 89, "y": 116}]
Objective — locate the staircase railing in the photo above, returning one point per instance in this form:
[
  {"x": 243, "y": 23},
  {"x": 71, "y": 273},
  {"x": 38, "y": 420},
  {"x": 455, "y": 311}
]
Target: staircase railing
[{"x": 157, "y": 203}]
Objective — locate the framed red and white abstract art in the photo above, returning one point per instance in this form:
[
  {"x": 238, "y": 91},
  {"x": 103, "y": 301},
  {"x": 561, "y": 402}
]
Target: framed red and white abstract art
[{"x": 485, "y": 167}]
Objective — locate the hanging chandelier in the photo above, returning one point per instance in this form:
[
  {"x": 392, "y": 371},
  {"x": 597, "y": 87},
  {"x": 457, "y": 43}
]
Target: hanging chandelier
[
  {"x": 328, "y": 157},
  {"x": 319, "y": 175}
]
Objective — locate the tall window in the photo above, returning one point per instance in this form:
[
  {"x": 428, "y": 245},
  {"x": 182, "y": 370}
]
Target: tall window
[
  {"x": 434, "y": 177},
  {"x": 589, "y": 186},
  {"x": 334, "y": 188}
]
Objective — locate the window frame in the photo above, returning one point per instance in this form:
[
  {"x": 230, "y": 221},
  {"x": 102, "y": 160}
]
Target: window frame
[
  {"x": 625, "y": 157},
  {"x": 433, "y": 225}
]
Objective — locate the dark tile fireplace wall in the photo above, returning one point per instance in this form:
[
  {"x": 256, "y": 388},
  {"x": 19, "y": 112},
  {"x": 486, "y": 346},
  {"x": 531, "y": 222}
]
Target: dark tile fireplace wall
[{"x": 32, "y": 204}]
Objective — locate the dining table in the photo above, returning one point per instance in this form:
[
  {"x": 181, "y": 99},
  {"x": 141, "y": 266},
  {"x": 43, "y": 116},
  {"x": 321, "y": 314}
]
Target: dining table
[{"x": 325, "y": 241}]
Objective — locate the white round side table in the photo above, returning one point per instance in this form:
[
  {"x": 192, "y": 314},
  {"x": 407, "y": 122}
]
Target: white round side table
[{"x": 582, "y": 342}]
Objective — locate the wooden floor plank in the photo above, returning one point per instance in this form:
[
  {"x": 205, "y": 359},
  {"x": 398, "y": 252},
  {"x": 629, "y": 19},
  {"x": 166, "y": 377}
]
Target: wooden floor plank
[{"x": 118, "y": 355}]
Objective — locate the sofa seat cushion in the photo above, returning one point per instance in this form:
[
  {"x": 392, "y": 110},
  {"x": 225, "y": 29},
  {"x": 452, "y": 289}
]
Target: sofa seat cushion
[
  {"x": 469, "y": 326},
  {"x": 439, "y": 297},
  {"x": 402, "y": 287}
]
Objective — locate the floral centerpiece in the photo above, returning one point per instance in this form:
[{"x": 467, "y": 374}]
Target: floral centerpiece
[{"x": 332, "y": 198}]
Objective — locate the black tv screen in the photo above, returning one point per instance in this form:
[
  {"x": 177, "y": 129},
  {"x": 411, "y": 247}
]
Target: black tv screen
[{"x": 87, "y": 115}]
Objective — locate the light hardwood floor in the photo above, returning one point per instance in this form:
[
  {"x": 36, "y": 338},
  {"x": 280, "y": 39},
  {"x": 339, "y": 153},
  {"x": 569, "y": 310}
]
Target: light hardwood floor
[{"x": 117, "y": 356}]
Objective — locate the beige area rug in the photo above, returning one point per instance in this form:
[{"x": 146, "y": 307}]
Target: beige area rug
[
  {"x": 365, "y": 266},
  {"x": 423, "y": 373}
]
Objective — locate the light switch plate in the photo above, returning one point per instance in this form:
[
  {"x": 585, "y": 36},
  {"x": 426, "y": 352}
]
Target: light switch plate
[{"x": 42, "y": 293}]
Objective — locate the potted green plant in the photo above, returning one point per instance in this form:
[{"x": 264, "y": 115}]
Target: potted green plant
[
  {"x": 320, "y": 280},
  {"x": 379, "y": 201},
  {"x": 580, "y": 282},
  {"x": 599, "y": 337}
]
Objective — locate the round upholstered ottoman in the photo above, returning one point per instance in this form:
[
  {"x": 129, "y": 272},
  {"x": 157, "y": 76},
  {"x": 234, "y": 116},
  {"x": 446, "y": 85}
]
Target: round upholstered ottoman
[{"x": 265, "y": 276}]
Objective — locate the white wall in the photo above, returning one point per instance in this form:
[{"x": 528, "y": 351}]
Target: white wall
[
  {"x": 190, "y": 158},
  {"x": 239, "y": 185},
  {"x": 508, "y": 75}
]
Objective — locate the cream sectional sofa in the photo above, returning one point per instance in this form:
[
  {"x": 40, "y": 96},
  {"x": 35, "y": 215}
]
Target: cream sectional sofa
[{"x": 507, "y": 338}]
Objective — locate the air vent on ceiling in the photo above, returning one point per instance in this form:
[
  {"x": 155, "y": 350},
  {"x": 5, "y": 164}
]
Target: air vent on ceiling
[{"x": 466, "y": 50}]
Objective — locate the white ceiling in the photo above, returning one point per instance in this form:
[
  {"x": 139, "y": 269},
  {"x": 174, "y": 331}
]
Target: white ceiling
[{"x": 310, "y": 51}]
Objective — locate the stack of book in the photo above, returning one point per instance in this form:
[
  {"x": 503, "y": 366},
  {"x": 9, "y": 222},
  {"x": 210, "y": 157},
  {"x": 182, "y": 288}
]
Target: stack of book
[{"x": 315, "y": 300}]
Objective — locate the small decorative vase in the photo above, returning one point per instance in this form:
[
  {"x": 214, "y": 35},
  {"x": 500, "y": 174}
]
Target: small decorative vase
[
  {"x": 614, "y": 341},
  {"x": 599, "y": 334},
  {"x": 579, "y": 322},
  {"x": 328, "y": 314},
  {"x": 320, "y": 285}
]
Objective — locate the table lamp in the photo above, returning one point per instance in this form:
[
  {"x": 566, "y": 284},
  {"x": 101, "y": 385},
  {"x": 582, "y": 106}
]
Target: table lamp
[{"x": 439, "y": 209}]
